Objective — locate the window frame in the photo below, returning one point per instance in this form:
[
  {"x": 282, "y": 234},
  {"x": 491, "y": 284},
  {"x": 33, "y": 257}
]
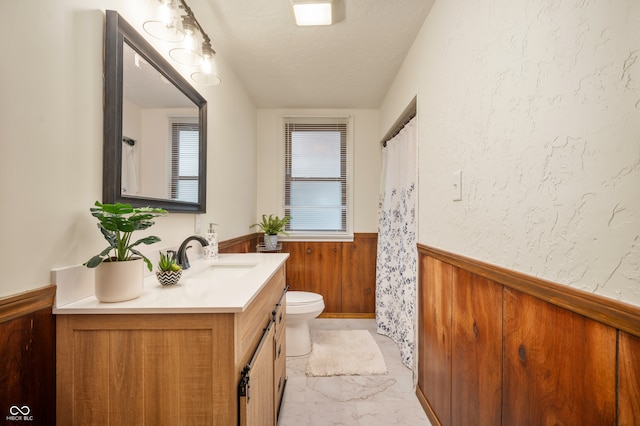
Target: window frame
[
  {"x": 346, "y": 175},
  {"x": 183, "y": 122}
]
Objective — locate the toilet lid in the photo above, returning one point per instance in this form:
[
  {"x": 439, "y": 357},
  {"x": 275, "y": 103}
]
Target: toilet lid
[{"x": 302, "y": 297}]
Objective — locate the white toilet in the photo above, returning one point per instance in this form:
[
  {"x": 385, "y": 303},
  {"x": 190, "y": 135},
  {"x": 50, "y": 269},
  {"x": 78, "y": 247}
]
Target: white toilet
[{"x": 302, "y": 307}]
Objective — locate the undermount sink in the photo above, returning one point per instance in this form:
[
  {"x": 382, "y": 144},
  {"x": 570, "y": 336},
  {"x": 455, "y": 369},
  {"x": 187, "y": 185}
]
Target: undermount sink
[{"x": 220, "y": 271}]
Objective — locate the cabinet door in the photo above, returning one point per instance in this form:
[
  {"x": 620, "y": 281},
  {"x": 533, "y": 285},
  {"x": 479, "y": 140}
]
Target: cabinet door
[
  {"x": 323, "y": 272},
  {"x": 160, "y": 375},
  {"x": 359, "y": 274},
  {"x": 257, "y": 406}
]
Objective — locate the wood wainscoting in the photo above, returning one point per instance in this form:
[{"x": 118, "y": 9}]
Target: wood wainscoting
[
  {"x": 500, "y": 347},
  {"x": 243, "y": 244},
  {"x": 27, "y": 357},
  {"x": 344, "y": 273}
]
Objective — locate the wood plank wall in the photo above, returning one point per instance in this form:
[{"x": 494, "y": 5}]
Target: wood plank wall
[
  {"x": 243, "y": 244},
  {"x": 343, "y": 272},
  {"x": 500, "y": 347},
  {"x": 27, "y": 357}
]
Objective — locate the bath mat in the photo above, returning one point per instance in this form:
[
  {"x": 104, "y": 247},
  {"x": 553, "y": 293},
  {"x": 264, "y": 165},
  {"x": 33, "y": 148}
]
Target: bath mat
[{"x": 344, "y": 353}]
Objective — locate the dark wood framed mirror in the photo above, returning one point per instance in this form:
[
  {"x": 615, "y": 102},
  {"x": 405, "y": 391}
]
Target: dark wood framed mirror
[{"x": 155, "y": 127}]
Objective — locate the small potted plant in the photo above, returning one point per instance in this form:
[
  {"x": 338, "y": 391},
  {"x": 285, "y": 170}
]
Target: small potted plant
[
  {"x": 119, "y": 271},
  {"x": 272, "y": 226},
  {"x": 169, "y": 272}
]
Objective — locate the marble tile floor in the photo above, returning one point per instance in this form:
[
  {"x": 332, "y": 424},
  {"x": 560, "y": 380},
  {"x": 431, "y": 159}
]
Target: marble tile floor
[{"x": 382, "y": 400}]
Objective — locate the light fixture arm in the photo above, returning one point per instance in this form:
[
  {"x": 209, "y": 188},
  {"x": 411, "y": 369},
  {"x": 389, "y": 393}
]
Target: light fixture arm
[
  {"x": 189, "y": 53},
  {"x": 191, "y": 15}
]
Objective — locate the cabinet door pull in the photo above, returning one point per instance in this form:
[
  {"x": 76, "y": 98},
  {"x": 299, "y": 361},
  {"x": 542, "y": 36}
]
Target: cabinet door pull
[
  {"x": 279, "y": 350},
  {"x": 279, "y": 383},
  {"x": 308, "y": 250}
]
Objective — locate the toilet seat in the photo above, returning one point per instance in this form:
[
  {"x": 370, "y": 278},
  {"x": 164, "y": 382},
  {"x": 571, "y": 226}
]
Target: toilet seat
[
  {"x": 302, "y": 297},
  {"x": 304, "y": 302}
]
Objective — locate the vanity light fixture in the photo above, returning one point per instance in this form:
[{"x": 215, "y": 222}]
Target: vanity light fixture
[
  {"x": 312, "y": 12},
  {"x": 188, "y": 53},
  {"x": 175, "y": 22},
  {"x": 208, "y": 74},
  {"x": 164, "y": 25}
]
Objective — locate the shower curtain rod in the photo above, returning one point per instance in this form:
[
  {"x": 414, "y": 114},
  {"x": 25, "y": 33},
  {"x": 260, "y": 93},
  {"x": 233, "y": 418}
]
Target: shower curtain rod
[
  {"x": 399, "y": 129},
  {"x": 406, "y": 116}
]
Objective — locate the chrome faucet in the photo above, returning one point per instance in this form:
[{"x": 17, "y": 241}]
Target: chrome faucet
[{"x": 182, "y": 258}]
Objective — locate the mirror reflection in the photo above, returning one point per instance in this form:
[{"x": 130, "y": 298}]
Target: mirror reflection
[{"x": 160, "y": 134}]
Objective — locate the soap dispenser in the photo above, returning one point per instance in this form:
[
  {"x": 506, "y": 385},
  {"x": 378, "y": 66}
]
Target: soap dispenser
[{"x": 211, "y": 251}]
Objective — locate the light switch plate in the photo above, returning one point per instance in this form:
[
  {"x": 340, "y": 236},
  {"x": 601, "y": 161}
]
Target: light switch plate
[{"x": 456, "y": 186}]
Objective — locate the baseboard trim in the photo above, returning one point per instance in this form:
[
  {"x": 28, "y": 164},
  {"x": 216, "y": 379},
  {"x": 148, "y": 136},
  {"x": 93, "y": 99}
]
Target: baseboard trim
[
  {"x": 427, "y": 408},
  {"x": 21, "y": 304},
  {"x": 620, "y": 315}
]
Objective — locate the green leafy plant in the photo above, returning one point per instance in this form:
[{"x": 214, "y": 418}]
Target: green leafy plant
[
  {"x": 272, "y": 225},
  {"x": 117, "y": 222},
  {"x": 168, "y": 263}
]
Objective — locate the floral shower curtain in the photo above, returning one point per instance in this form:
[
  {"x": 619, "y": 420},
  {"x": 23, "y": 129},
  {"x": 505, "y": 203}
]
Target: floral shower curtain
[{"x": 396, "y": 266}]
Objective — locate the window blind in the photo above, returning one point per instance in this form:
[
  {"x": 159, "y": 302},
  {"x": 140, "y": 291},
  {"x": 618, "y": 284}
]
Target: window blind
[
  {"x": 317, "y": 175},
  {"x": 185, "y": 143}
]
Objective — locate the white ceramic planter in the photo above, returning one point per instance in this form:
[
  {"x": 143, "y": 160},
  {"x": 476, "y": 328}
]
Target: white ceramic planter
[{"x": 119, "y": 281}]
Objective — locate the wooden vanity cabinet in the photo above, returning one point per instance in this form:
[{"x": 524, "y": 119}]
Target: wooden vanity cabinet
[{"x": 169, "y": 369}]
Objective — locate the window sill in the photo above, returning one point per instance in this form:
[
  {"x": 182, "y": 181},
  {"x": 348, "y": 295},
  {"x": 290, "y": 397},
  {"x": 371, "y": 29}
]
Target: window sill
[{"x": 317, "y": 238}]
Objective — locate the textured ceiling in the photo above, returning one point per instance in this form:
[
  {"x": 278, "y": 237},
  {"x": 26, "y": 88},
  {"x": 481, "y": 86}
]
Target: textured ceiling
[{"x": 350, "y": 64}]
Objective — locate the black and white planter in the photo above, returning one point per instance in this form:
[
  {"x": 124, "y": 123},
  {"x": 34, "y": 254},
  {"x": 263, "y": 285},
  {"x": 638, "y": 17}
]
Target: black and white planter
[{"x": 166, "y": 278}]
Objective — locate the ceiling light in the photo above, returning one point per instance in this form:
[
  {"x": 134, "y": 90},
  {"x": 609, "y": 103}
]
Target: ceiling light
[{"x": 312, "y": 12}]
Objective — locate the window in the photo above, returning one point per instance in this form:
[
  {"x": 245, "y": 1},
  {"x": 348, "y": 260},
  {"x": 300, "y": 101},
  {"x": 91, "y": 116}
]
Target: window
[
  {"x": 317, "y": 176},
  {"x": 185, "y": 142}
]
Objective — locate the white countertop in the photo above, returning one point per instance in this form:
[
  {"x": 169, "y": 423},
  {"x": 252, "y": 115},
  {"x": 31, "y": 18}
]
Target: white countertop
[{"x": 227, "y": 285}]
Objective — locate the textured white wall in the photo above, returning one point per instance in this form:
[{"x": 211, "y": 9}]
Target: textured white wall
[
  {"x": 538, "y": 102},
  {"x": 51, "y": 140}
]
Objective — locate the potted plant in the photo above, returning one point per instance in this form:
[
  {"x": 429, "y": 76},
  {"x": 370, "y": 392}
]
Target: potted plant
[
  {"x": 119, "y": 273},
  {"x": 272, "y": 226},
  {"x": 169, "y": 272}
]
